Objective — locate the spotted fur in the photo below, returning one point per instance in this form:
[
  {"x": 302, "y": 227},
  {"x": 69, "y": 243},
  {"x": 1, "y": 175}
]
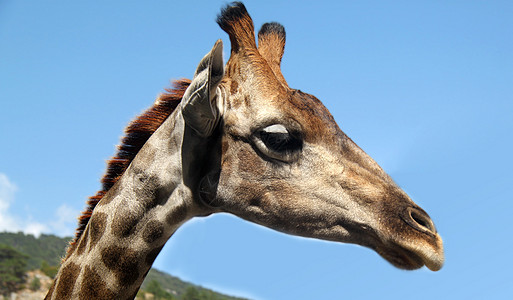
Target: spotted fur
[{"x": 136, "y": 134}]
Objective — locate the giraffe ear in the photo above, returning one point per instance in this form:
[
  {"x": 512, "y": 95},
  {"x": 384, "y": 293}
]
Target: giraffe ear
[{"x": 199, "y": 107}]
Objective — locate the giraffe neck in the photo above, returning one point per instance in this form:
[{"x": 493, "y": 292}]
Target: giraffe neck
[{"x": 133, "y": 221}]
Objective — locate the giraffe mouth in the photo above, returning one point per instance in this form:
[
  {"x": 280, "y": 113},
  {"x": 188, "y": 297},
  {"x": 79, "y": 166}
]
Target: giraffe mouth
[{"x": 411, "y": 257}]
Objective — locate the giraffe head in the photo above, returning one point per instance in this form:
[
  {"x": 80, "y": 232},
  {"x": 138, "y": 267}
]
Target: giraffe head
[{"x": 282, "y": 161}]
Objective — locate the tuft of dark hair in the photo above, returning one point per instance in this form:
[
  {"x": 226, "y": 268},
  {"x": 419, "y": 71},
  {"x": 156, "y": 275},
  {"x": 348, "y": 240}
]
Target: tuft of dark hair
[
  {"x": 230, "y": 14},
  {"x": 273, "y": 28}
]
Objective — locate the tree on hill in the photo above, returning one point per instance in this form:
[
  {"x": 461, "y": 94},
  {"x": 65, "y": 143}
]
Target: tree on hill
[
  {"x": 191, "y": 293},
  {"x": 12, "y": 269}
]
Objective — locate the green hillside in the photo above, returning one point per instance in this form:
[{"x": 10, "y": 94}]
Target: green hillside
[
  {"x": 47, "y": 248},
  {"x": 50, "y": 249}
]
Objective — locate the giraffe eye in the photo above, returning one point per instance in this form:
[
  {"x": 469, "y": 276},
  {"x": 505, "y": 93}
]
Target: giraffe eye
[{"x": 277, "y": 142}]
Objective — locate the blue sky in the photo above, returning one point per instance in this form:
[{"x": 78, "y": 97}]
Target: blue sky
[{"x": 424, "y": 87}]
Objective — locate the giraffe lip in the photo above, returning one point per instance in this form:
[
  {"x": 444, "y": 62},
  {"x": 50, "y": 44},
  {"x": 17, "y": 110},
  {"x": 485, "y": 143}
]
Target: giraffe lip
[
  {"x": 401, "y": 258},
  {"x": 411, "y": 258}
]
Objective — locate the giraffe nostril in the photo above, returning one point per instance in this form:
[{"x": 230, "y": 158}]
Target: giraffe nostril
[{"x": 418, "y": 219}]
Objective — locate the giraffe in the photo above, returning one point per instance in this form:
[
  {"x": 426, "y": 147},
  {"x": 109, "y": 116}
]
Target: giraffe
[{"x": 238, "y": 139}]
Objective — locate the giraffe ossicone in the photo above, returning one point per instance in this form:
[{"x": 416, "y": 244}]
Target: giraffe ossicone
[{"x": 238, "y": 139}]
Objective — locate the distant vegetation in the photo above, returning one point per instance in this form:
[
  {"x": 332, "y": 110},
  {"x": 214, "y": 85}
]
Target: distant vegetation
[
  {"x": 46, "y": 248},
  {"x": 20, "y": 253},
  {"x": 12, "y": 269}
]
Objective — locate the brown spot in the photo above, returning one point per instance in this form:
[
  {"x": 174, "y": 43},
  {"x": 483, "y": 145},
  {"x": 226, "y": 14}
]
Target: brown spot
[
  {"x": 234, "y": 86},
  {"x": 67, "y": 278},
  {"x": 97, "y": 227},
  {"x": 153, "y": 231},
  {"x": 177, "y": 215},
  {"x": 124, "y": 262},
  {"x": 124, "y": 223},
  {"x": 164, "y": 192},
  {"x": 147, "y": 188},
  {"x": 94, "y": 287},
  {"x": 150, "y": 258}
]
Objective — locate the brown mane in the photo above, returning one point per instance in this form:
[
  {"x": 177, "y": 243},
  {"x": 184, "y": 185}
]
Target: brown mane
[{"x": 136, "y": 134}]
